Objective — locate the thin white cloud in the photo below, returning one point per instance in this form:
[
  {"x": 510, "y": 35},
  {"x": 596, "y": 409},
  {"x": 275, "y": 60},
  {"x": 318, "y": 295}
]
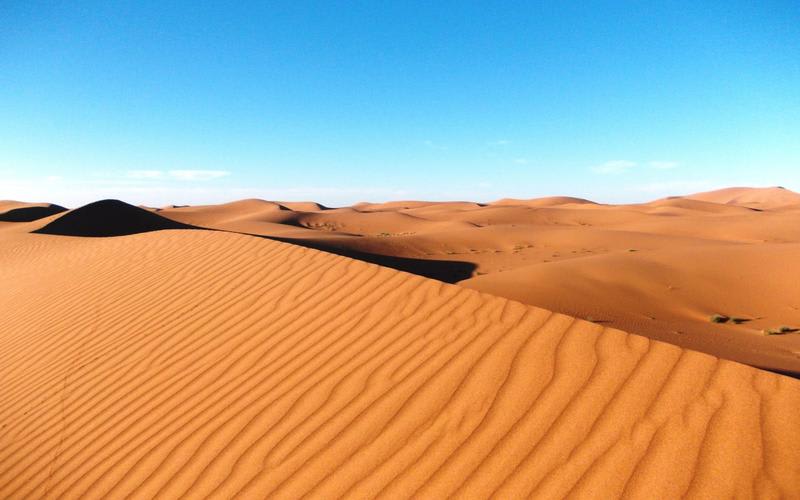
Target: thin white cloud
[
  {"x": 198, "y": 175},
  {"x": 614, "y": 167},
  {"x": 500, "y": 142},
  {"x": 663, "y": 165},
  {"x": 180, "y": 175}
]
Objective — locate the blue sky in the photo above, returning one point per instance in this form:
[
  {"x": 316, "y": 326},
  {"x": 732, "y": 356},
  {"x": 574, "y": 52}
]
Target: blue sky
[{"x": 347, "y": 101}]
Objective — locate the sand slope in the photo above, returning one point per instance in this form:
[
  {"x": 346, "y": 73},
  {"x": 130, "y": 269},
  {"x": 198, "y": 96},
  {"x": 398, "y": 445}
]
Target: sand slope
[
  {"x": 674, "y": 302},
  {"x": 616, "y": 263},
  {"x": 762, "y": 198},
  {"x": 199, "y": 363}
]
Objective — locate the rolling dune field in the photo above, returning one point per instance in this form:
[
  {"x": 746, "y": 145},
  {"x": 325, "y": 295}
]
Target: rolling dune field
[
  {"x": 163, "y": 363},
  {"x": 661, "y": 269}
]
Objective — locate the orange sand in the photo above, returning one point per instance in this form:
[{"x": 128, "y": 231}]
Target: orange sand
[
  {"x": 659, "y": 269},
  {"x": 197, "y": 363}
]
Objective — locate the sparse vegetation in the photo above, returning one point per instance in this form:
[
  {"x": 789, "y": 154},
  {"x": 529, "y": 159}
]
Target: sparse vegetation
[
  {"x": 719, "y": 318},
  {"x": 781, "y": 330}
]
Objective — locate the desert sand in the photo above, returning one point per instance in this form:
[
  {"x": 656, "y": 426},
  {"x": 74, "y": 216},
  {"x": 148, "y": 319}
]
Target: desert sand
[
  {"x": 143, "y": 359},
  {"x": 660, "y": 269}
]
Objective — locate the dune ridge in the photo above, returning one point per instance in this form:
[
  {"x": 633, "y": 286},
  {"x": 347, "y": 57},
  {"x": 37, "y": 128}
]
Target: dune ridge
[
  {"x": 659, "y": 269},
  {"x": 763, "y": 198},
  {"x": 202, "y": 363}
]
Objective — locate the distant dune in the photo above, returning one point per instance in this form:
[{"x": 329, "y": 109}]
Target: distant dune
[
  {"x": 774, "y": 197},
  {"x": 190, "y": 363},
  {"x": 550, "y": 201}
]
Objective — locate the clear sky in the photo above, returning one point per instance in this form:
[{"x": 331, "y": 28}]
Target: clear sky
[{"x": 191, "y": 102}]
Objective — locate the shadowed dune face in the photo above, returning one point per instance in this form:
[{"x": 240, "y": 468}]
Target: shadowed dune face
[
  {"x": 449, "y": 271},
  {"x": 30, "y": 213},
  {"x": 116, "y": 218},
  {"x": 108, "y": 218},
  {"x": 209, "y": 364}
]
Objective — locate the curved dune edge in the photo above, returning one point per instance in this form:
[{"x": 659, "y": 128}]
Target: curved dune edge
[{"x": 204, "y": 363}]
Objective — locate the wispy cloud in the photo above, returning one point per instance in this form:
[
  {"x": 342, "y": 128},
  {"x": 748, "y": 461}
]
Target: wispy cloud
[
  {"x": 198, "y": 175},
  {"x": 663, "y": 165},
  {"x": 499, "y": 142},
  {"x": 181, "y": 175},
  {"x": 614, "y": 167}
]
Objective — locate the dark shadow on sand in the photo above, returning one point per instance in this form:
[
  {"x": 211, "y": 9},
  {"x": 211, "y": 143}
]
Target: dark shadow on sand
[
  {"x": 109, "y": 218},
  {"x": 30, "y": 214},
  {"x": 442, "y": 270},
  {"x": 116, "y": 218}
]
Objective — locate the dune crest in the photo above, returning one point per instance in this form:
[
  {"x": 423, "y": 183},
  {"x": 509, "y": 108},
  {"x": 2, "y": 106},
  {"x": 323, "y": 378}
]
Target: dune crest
[
  {"x": 548, "y": 201},
  {"x": 199, "y": 363},
  {"x": 660, "y": 269},
  {"x": 765, "y": 198}
]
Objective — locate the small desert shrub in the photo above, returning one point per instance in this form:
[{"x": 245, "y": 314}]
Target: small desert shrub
[
  {"x": 781, "y": 330},
  {"x": 719, "y": 318},
  {"x": 738, "y": 321}
]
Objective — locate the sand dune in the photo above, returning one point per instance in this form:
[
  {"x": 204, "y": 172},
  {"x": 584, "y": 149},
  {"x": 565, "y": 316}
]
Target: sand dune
[
  {"x": 618, "y": 256},
  {"x": 765, "y": 198},
  {"x": 548, "y": 201},
  {"x": 208, "y": 364},
  {"x": 674, "y": 302}
]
